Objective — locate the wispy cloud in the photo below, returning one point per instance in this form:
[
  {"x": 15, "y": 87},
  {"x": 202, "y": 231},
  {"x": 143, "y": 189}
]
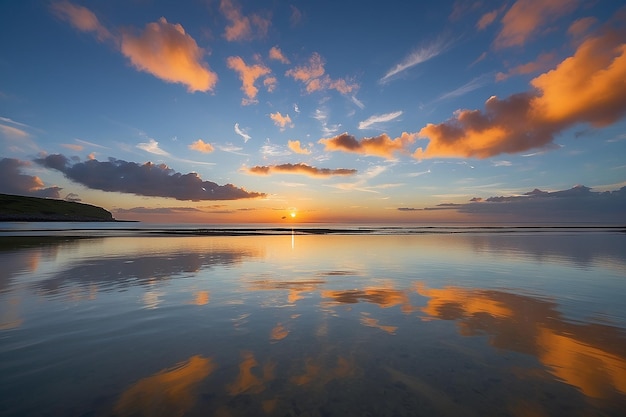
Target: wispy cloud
[
  {"x": 152, "y": 146},
  {"x": 81, "y": 18},
  {"x": 527, "y": 17},
  {"x": 143, "y": 179},
  {"x": 314, "y": 78},
  {"x": 242, "y": 133},
  {"x": 321, "y": 115},
  {"x": 372, "y": 121},
  {"x": 422, "y": 54},
  {"x": 472, "y": 85},
  {"x": 243, "y": 27}
]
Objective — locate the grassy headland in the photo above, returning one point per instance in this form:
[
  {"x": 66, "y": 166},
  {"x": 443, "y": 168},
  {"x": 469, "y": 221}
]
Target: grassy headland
[{"x": 34, "y": 209}]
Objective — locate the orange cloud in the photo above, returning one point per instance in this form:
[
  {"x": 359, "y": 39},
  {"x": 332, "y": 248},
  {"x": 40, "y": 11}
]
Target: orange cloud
[
  {"x": 381, "y": 145},
  {"x": 294, "y": 146},
  {"x": 73, "y": 147},
  {"x": 486, "y": 20},
  {"x": 280, "y": 120},
  {"x": 81, "y": 18},
  {"x": 543, "y": 62},
  {"x": 167, "y": 52},
  {"x": 201, "y": 146},
  {"x": 301, "y": 168},
  {"x": 277, "y": 54},
  {"x": 580, "y": 27},
  {"x": 526, "y": 17},
  {"x": 248, "y": 76},
  {"x": 242, "y": 27},
  {"x": 587, "y": 87},
  {"x": 314, "y": 78}
]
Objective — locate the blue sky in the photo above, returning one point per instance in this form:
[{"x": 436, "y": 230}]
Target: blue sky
[{"x": 254, "y": 111}]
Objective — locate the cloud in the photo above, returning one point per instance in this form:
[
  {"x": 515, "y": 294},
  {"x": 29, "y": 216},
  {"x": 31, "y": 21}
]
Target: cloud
[
  {"x": 474, "y": 84},
  {"x": 295, "y": 147},
  {"x": 526, "y": 17},
  {"x": 371, "y": 121},
  {"x": 73, "y": 146},
  {"x": 147, "y": 179},
  {"x": 242, "y": 133},
  {"x": 580, "y": 27},
  {"x": 81, "y": 18},
  {"x": 248, "y": 76},
  {"x": 242, "y": 28},
  {"x": 418, "y": 56},
  {"x": 12, "y": 181},
  {"x": 277, "y": 54},
  {"x": 280, "y": 120},
  {"x": 201, "y": 146},
  {"x": 296, "y": 16},
  {"x": 587, "y": 87},
  {"x": 314, "y": 78},
  {"x": 321, "y": 115},
  {"x": 167, "y": 52},
  {"x": 381, "y": 145},
  {"x": 14, "y": 133},
  {"x": 302, "y": 169},
  {"x": 543, "y": 62},
  {"x": 579, "y": 204},
  {"x": 486, "y": 20},
  {"x": 152, "y": 146}
]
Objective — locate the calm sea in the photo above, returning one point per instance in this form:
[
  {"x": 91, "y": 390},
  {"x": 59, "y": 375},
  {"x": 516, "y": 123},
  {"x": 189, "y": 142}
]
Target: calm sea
[{"x": 142, "y": 320}]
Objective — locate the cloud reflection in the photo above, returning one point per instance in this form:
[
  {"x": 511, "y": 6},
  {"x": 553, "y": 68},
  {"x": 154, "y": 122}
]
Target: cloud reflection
[
  {"x": 167, "y": 393},
  {"x": 589, "y": 356}
]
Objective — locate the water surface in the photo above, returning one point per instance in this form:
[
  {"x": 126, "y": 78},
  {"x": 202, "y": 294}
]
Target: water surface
[{"x": 501, "y": 322}]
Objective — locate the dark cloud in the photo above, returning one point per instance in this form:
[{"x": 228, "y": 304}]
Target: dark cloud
[
  {"x": 12, "y": 181},
  {"x": 577, "y": 204},
  {"x": 300, "y": 169},
  {"x": 148, "y": 179}
]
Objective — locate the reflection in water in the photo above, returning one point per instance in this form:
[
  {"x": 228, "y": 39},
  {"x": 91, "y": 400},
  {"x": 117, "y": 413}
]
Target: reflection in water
[
  {"x": 339, "y": 325},
  {"x": 247, "y": 381},
  {"x": 168, "y": 393},
  {"x": 384, "y": 297},
  {"x": 589, "y": 356}
]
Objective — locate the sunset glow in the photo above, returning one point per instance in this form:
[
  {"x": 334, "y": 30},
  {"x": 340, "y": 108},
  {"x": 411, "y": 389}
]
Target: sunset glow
[{"x": 235, "y": 111}]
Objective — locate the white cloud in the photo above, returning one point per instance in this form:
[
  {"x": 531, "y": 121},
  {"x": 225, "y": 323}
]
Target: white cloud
[
  {"x": 422, "y": 54},
  {"x": 371, "y": 121},
  {"x": 242, "y": 133},
  {"x": 474, "y": 84},
  {"x": 152, "y": 146}
]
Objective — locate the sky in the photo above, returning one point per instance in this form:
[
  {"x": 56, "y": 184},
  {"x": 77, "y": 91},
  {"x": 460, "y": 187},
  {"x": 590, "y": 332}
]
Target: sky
[{"x": 240, "y": 111}]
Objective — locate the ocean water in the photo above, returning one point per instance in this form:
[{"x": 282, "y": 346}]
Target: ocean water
[{"x": 355, "y": 321}]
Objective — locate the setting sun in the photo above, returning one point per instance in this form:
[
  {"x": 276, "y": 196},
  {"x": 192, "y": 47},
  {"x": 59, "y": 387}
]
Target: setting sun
[{"x": 293, "y": 214}]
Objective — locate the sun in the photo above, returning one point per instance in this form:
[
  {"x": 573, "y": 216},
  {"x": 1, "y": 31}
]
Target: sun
[{"x": 293, "y": 214}]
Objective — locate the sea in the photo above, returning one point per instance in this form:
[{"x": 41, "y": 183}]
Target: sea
[{"x": 134, "y": 319}]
